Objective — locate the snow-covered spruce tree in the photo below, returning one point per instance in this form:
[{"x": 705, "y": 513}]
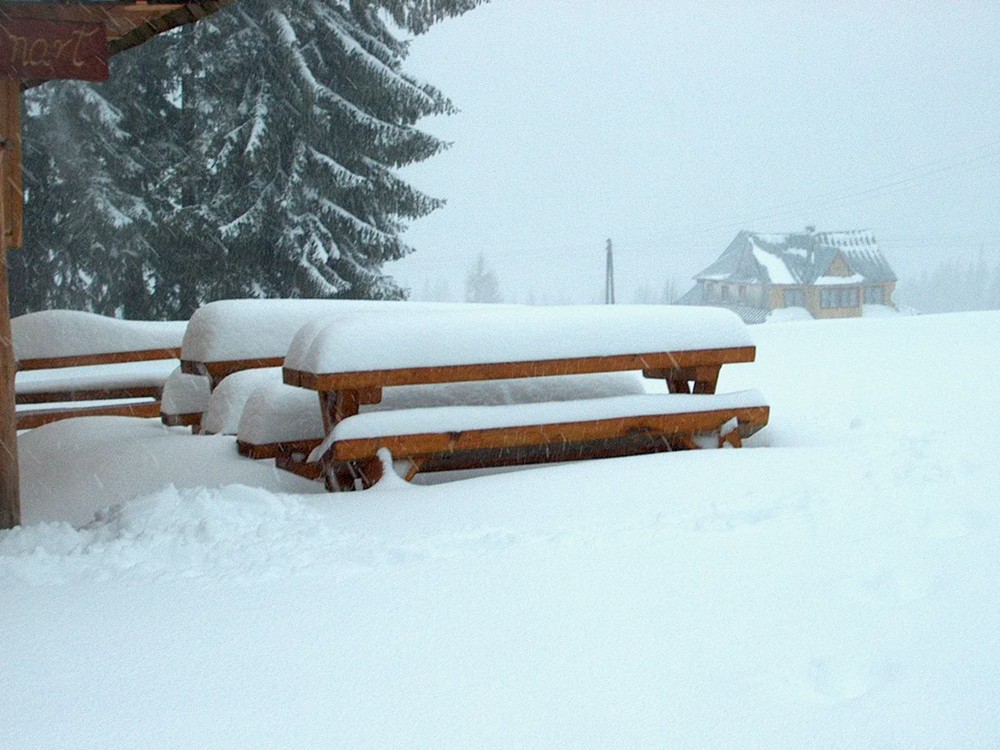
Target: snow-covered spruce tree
[
  {"x": 304, "y": 192},
  {"x": 84, "y": 215}
]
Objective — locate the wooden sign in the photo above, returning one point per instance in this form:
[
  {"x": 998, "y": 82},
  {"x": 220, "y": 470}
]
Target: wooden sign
[{"x": 33, "y": 50}]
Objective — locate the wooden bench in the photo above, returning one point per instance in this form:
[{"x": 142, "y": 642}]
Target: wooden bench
[
  {"x": 354, "y": 358},
  {"x": 67, "y": 360}
]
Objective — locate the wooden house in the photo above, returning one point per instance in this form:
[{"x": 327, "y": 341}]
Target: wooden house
[{"x": 830, "y": 274}]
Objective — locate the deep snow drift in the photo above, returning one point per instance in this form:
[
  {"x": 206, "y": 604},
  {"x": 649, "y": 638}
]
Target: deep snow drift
[{"x": 830, "y": 585}]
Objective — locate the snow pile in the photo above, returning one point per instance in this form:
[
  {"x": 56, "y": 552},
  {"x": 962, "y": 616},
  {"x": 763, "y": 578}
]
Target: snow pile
[
  {"x": 72, "y": 469},
  {"x": 185, "y": 394},
  {"x": 225, "y": 407},
  {"x": 788, "y": 315},
  {"x": 482, "y": 335},
  {"x": 276, "y": 413},
  {"x": 263, "y": 328},
  {"x": 68, "y": 333}
]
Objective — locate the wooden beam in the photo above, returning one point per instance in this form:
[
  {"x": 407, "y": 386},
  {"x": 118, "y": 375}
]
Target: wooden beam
[
  {"x": 29, "y": 420},
  {"x": 110, "y": 358},
  {"x": 652, "y": 362},
  {"x": 750, "y": 420},
  {"x": 10, "y": 237}
]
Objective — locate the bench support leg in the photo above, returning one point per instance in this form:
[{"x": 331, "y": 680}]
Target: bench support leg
[{"x": 344, "y": 476}]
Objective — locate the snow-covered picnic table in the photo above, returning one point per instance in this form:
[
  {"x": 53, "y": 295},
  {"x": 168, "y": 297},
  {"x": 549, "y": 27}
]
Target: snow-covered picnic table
[
  {"x": 349, "y": 359},
  {"x": 66, "y": 358}
]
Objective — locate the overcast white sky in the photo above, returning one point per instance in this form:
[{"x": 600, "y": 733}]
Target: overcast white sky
[{"x": 669, "y": 126}]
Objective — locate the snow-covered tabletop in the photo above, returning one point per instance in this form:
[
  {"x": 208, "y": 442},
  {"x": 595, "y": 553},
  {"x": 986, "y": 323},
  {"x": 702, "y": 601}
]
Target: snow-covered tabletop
[
  {"x": 69, "y": 333},
  {"x": 356, "y": 342},
  {"x": 247, "y": 329}
]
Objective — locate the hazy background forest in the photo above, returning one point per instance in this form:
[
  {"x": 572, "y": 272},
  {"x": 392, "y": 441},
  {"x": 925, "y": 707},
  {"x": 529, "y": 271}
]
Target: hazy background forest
[{"x": 505, "y": 146}]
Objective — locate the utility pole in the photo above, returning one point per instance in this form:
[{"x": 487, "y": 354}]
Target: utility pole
[{"x": 609, "y": 278}]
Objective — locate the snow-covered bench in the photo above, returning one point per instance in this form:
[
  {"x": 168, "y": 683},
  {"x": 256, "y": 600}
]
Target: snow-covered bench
[
  {"x": 349, "y": 360},
  {"x": 68, "y": 360},
  {"x": 281, "y": 420}
]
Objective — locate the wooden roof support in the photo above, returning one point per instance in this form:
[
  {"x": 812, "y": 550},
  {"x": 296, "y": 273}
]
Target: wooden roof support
[{"x": 10, "y": 236}]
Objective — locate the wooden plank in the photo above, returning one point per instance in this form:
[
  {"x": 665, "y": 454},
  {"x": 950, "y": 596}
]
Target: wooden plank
[
  {"x": 31, "y": 419},
  {"x": 11, "y": 184},
  {"x": 100, "y": 394},
  {"x": 653, "y": 361},
  {"x": 273, "y": 450},
  {"x": 219, "y": 370},
  {"x": 107, "y": 358},
  {"x": 191, "y": 419},
  {"x": 11, "y": 205},
  {"x": 750, "y": 420},
  {"x": 296, "y": 464}
]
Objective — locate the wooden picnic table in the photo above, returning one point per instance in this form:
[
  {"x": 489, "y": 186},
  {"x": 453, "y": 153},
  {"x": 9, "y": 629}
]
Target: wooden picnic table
[
  {"x": 67, "y": 358},
  {"x": 348, "y": 368}
]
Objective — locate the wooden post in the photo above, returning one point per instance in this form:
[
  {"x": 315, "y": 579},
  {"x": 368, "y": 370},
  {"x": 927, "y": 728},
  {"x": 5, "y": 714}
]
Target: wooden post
[{"x": 10, "y": 237}]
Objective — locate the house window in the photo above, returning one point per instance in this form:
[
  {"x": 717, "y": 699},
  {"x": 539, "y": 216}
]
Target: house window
[
  {"x": 874, "y": 295},
  {"x": 838, "y": 297},
  {"x": 795, "y": 298}
]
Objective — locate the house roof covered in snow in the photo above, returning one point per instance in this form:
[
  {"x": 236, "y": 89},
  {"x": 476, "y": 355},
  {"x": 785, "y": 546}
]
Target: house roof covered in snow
[
  {"x": 748, "y": 313},
  {"x": 798, "y": 258}
]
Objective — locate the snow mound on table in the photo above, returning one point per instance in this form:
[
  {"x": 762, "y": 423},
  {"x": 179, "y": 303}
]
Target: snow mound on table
[
  {"x": 225, "y": 407},
  {"x": 478, "y": 335},
  {"x": 68, "y": 333},
  {"x": 276, "y": 413},
  {"x": 263, "y": 328},
  {"x": 185, "y": 394},
  {"x": 96, "y": 377}
]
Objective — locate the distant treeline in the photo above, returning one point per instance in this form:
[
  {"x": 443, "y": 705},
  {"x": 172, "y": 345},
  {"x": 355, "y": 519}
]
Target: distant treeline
[{"x": 954, "y": 286}]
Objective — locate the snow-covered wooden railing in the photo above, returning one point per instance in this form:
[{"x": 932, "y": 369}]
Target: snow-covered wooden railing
[
  {"x": 65, "y": 358},
  {"x": 350, "y": 359}
]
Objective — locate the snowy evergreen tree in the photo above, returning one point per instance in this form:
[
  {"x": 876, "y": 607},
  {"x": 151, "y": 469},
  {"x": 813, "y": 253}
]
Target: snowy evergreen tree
[
  {"x": 481, "y": 284},
  {"x": 84, "y": 214},
  {"x": 250, "y": 155}
]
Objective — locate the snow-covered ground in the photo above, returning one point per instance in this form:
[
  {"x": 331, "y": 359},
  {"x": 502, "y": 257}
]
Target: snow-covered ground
[{"x": 831, "y": 585}]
